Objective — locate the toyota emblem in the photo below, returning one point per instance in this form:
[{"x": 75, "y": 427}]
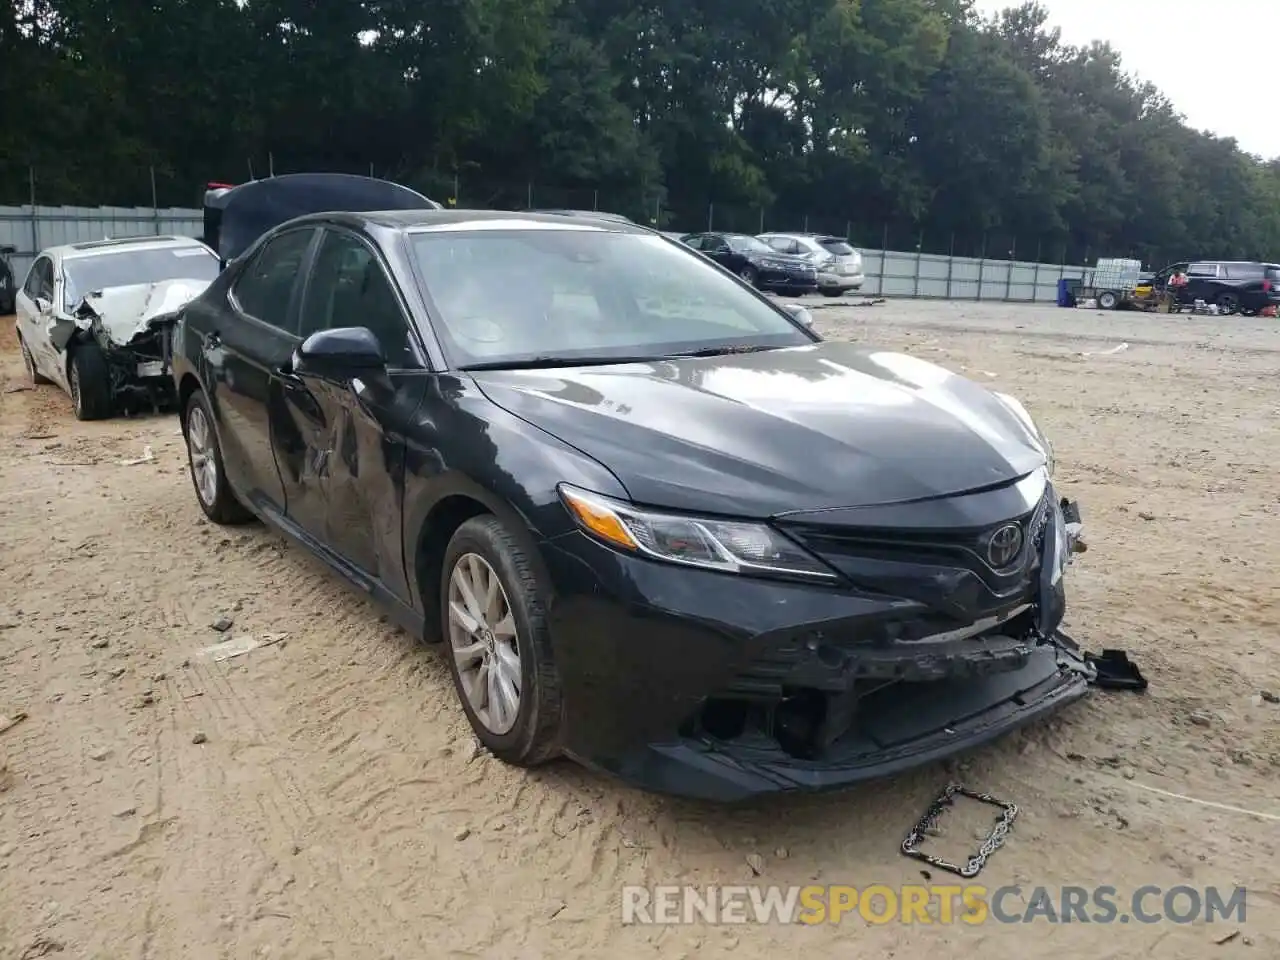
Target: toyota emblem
[{"x": 1004, "y": 546}]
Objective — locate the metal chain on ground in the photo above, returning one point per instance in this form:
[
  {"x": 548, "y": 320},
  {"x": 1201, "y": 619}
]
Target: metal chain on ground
[{"x": 993, "y": 842}]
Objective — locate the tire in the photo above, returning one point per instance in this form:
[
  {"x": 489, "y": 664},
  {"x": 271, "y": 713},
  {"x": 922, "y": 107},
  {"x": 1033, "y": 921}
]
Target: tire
[
  {"x": 29, "y": 362},
  {"x": 204, "y": 458},
  {"x": 89, "y": 381},
  {"x": 751, "y": 276},
  {"x": 1108, "y": 300},
  {"x": 1228, "y": 303},
  {"x": 532, "y": 736}
]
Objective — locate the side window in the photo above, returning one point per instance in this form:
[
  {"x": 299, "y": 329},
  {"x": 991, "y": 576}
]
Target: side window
[
  {"x": 695, "y": 242},
  {"x": 1244, "y": 271},
  {"x": 1203, "y": 270},
  {"x": 40, "y": 280},
  {"x": 349, "y": 288},
  {"x": 264, "y": 289},
  {"x": 779, "y": 243}
]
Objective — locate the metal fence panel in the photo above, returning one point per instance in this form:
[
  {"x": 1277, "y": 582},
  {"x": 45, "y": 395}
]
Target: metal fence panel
[
  {"x": 890, "y": 273},
  {"x": 32, "y": 229}
]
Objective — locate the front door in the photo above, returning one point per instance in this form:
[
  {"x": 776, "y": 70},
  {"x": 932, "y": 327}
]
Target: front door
[
  {"x": 34, "y": 306},
  {"x": 243, "y": 357},
  {"x": 341, "y": 449}
]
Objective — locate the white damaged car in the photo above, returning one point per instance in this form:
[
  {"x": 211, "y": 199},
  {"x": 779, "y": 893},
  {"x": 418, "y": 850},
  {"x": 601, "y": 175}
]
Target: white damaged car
[{"x": 94, "y": 318}]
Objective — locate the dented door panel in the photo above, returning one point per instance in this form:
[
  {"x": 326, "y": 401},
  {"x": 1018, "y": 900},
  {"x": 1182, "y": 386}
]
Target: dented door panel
[{"x": 342, "y": 463}]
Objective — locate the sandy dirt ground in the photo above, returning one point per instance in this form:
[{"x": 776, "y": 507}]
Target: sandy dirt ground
[{"x": 322, "y": 797}]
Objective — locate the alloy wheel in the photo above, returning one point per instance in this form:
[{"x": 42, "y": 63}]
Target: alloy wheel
[
  {"x": 204, "y": 465},
  {"x": 484, "y": 642}
]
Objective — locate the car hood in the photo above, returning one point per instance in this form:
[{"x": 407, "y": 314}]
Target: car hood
[
  {"x": 125, "y": 312},
  {"x": 759, "y": 434}
]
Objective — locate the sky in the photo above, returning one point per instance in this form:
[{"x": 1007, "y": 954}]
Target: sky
[{"x": 1212, "y": 60}]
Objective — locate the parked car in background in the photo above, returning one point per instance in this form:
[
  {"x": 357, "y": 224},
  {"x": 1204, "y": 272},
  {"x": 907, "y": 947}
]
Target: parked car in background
[
  {"x": 659, "y": 525},
  {"x": 8, "y": 289},
  {"x": 838, "y": 264},
  {"x": 94, "y": 317},
  {"x": 1236, "y": 286},
  {"x": 756, "y": 262}
]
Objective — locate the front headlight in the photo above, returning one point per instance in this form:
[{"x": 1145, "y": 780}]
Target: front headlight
[
  {"x": 1019, "y": 411},
  {"x": 729, "y": 546}
]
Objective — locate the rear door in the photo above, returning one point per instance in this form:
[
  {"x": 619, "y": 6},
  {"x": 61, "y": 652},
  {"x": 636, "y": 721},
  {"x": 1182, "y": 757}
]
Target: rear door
[
  {"x": 341, "y": 450},
  {"x": 244, "y": 356},
  {"x": 1202, "y": 282}
]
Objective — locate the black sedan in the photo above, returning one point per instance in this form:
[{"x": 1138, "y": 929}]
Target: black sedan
[
  {"x": 659, "y": 525},
  {"x": 757, "y": 262}
]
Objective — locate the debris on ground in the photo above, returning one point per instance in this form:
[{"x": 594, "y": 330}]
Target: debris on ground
[
  {"x": 1109, "y": 352},
  {"x": 928, "y": 826},
  {"x": 239, "y": 646},
  {"x": 199, "y": 738},
  {"x": 147, "y": 457},
  {"x": 8, "y": 723},
  {"x": 222, "y": 624},
  {"x": 1115, "y": 671},
  {"x": 1270, "y": 697},
  {"x": 756, "y": 863}
]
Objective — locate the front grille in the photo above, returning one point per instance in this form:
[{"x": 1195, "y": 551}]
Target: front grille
[
  {"x": 946, "y": 571},
  {"x": 963, "y": 548}
]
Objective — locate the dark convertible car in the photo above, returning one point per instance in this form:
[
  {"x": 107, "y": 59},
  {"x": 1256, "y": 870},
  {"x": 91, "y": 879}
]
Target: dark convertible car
[{"x": 659, "y": 524}]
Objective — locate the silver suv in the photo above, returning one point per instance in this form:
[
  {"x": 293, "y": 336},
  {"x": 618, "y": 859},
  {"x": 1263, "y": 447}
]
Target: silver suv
[{"x": 839, "y": 265}]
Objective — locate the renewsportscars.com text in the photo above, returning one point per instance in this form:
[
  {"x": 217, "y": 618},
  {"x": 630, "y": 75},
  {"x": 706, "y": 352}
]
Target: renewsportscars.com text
[{"x": 969, "y": 904}]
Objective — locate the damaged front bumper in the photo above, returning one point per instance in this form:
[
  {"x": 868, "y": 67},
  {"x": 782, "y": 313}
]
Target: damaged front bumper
[
  {"x": 700, "y": 684},
  {"x": 131, "y": 325}
]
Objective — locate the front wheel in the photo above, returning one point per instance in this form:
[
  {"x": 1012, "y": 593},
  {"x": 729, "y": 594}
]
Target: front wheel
[
  {"x": 1228, "y": 303},
  {"x": 751, "y": 276},
  {"x": 497, "y": 642},
  {"x": 1108, "y": 300},
  {"x": 208, "y": 476},
  {"x": 90, "y": 383}
]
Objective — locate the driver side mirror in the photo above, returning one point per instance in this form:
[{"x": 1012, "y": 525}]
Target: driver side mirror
[
  {"x": 799, "y": 313},
  {"x": 341, "y": 353}
]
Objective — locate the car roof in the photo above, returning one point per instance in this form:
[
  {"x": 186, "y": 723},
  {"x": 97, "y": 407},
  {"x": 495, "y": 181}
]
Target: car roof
[
  {"x": 89, "y": 248},
  {"x": 416, "y": 220}
]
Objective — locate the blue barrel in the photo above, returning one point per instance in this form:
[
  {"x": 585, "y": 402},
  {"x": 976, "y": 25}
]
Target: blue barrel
[{"x": 1066, "y": 297}]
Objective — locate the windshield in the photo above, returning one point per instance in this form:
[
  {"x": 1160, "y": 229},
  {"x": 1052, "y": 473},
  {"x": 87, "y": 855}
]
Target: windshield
[
  {"x": 84, "y": 275},
  {"x": 511, "y": 296},
  {"x": 741, "y": 243}
]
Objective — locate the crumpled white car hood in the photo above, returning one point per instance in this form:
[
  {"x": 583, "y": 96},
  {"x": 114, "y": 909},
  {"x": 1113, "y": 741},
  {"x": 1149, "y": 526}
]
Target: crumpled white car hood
[{"x": 125, "y": 312}]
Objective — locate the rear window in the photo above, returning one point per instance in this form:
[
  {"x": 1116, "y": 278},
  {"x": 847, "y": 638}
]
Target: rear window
[
  {"x": 1273, "y": 274},
  {"x": 837, "y": 246}
]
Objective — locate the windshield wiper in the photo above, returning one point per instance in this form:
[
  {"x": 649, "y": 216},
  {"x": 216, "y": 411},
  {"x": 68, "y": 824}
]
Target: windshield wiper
[
  {"x": 549, "y": 361},
  {"x": 722, "y": 351}
]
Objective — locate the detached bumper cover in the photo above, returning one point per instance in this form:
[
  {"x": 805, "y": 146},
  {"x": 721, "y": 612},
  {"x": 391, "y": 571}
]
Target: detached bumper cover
[{"x": 702, "y": 684}]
